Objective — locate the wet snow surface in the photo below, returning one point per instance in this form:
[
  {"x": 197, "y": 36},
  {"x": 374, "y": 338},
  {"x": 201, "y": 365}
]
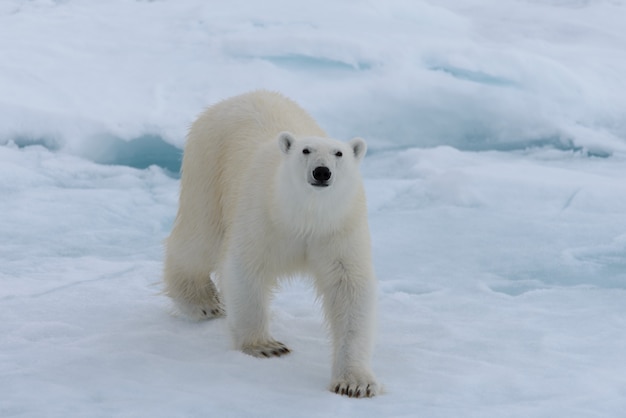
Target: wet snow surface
[{"x": 496, "y": 184}]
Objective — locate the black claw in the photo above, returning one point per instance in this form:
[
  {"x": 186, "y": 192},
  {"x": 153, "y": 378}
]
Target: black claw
[
  {"x": 357, "y": 394},
  {"x": 350, "y": 393},
  {"x": 337, "y": 389},
  {"x": 265, "y": 354},
  {"x": 368, "y": 392},
  {"x": 204, "y": 312},
  {"x": 276, "y": 353},
  {"x": 343, "y": 391}
]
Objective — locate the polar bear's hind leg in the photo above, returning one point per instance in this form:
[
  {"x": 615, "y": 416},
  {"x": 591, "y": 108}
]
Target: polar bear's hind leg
[{"x": 195, "y": 295}]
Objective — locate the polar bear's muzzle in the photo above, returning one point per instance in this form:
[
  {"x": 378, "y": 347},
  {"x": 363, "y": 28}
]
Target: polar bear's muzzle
[{"x": 321, "y": 176}]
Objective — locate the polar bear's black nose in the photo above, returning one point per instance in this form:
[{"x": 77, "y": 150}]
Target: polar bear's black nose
[{"x": 321, "y": 173}]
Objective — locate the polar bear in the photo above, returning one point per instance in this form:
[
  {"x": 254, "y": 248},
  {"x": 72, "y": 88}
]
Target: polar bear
[{"x": 265, "y": 195}]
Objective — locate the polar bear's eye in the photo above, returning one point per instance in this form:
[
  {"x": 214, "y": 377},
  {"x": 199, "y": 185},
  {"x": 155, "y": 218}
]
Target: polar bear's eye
[
  {"x": 306, "y": 151},
  {"x": 338, "y": 154}
]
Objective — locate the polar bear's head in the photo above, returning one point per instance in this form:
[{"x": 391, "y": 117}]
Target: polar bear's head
[{"x": 322, "y": 163}]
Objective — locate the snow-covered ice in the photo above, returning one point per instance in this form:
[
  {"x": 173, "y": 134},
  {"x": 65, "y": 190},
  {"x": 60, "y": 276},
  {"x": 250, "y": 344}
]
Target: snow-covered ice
[{"x": 496, "y": 185}]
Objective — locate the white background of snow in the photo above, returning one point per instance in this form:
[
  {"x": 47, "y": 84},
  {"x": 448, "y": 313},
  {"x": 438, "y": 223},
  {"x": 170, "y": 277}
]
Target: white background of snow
[{"x": 502, "y": 272}]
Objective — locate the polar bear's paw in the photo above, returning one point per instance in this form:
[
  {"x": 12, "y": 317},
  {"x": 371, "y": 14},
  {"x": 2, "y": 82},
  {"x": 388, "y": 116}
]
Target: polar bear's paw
[
  {"x": 202, "y": 311},
  {"x": 271, "y": 348},
  {"x": 211, "y": 312},
  {"x": 355, "y": 386},
  {"x": 197, "y": 299}
]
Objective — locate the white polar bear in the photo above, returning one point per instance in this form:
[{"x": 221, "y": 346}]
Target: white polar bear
[{"x": 266, "y": 195}]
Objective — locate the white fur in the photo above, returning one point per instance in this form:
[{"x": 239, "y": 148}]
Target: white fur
[{"x": 250, "y": 214}]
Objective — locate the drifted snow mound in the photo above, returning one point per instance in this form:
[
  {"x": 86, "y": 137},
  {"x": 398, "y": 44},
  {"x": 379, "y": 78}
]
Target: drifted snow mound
[{"x": 480, "y": 75}]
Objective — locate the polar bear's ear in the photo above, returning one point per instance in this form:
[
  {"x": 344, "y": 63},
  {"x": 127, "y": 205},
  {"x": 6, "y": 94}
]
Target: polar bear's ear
[
  {"x": 359, "y": 147},
  {"x": 285, "y": 141}
]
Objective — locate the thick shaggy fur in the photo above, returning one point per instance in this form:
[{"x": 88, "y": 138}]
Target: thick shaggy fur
[{"x": 266, "y": 195}]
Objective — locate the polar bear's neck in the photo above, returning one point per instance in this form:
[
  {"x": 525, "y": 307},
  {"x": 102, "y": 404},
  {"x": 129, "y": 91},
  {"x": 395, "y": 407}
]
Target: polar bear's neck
[{"x": 311, "y": 212}]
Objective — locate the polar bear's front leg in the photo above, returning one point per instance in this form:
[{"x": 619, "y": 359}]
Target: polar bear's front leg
[
  {"x": 247, "y": 299},
  {"x": 349, "y": 297}
]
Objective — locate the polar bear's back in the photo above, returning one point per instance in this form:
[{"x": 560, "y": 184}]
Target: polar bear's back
[
  {"x": 253, "y": 117},
  {"x": 220, "y": 149},
  {"x": 228, "y": 133}
]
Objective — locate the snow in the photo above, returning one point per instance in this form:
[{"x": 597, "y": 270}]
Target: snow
[{"x": 495, "y": 182}]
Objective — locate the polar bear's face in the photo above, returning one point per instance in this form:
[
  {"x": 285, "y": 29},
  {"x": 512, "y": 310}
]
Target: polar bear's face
[{"x": 322, "y": 162}]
